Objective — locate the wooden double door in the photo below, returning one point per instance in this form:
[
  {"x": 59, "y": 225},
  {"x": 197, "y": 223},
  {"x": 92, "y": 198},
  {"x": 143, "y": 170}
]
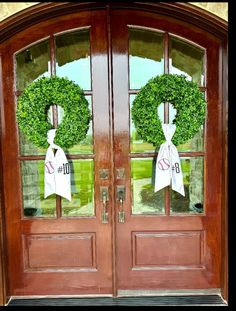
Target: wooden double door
[{"x": 117, "y": 236}]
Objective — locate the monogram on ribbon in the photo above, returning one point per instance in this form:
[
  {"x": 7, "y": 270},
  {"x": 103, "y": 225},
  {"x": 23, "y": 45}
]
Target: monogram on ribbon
[
  {"x": 168, "y": 167},
  {"x": 56, "y": 170}
]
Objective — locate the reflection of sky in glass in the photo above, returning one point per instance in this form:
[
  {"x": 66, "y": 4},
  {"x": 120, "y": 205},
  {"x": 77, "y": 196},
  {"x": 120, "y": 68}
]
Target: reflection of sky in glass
[
  {"x": 77, "y": 71},
  {"x": 143, "y": 69}
]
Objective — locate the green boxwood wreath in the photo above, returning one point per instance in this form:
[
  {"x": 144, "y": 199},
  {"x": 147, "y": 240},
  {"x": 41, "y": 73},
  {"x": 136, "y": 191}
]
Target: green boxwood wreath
[
  {"x": 185, "y": 97},
  {"x": 33, "y": 106}
]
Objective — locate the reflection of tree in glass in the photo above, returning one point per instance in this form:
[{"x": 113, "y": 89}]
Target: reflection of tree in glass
[
  {"x": 178, "y": 202},
  {"x": 151, "y": 198}
]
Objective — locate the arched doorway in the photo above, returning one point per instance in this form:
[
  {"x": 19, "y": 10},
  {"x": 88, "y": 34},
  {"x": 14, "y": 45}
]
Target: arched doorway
[{"x": 162, "y": 243}]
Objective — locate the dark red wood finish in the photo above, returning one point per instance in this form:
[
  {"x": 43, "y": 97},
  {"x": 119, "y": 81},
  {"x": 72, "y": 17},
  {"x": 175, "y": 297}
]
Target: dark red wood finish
[
  {"x": 156, "y": 268},
  {"x": 116, "y": 256},
  {"x": 88, "y": 268}
]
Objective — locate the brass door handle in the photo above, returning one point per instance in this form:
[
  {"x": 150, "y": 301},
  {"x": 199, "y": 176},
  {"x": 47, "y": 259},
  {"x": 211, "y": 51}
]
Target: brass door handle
[
  {"x": 104, "y": 199},
  {"x": 121, "y": 198}
]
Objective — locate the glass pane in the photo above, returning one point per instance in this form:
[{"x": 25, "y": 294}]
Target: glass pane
[
  {"x": 194, "y": 144},
  {"x": 73, "y": 58},
  {"x": 28, "y": 148},
  {"x": 145, "y": 56},
  {"x": 86, "y": 145},
  {"x": 192, "y": 203},
  {"x": 137, "y": 144},
  {"x": 32, "y": 64},
  {"x": 82, "y": 190},
  {"x": 34, "y": 204},
  {"x": 188, "y": 60},
  {"x": 144, "y": 199}
]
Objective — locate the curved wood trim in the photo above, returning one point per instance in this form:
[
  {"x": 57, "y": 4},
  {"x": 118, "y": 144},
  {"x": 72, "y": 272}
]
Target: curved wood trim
[
  {"x": 43, "y": 11},
  {"x": 3, "y": 282},
  {"x": 179, "y": 11}
]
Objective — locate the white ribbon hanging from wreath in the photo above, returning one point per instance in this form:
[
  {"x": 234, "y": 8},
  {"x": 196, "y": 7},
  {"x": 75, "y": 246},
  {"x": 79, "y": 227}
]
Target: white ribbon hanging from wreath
[
  {"x": 168, "y": 167},
  {"x": 56, "y": 170}
]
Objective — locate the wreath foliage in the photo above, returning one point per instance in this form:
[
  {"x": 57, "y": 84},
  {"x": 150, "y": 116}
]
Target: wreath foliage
[
  {"x": 33, "y": 106},
  {"x": 185, "y": 97}
]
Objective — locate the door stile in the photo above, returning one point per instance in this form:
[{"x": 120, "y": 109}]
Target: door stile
[
  {"x": 3, "y": 277},
  {"x": 120, "y": 80},
  {"x": 112, "y": 164},
  {"x": 9, "y": 149}
]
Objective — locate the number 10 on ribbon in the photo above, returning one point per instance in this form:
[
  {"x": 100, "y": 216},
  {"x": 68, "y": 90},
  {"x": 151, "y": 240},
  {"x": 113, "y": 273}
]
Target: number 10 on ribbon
[{"x": 65, "y": 168}]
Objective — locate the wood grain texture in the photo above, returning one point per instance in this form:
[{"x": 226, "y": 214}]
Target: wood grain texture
[
  {"x": 209, "y": 276},
  {"x": 175, "y": 250}
]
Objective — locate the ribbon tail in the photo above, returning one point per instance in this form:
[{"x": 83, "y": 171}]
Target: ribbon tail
[
  {"x": 176, "y": 172},
  {"x": 62, "y": 174},
  {"x": 56, "y": 170},
  {"x": 162, "y": 177},
  {"x": 49, "y": 173}
]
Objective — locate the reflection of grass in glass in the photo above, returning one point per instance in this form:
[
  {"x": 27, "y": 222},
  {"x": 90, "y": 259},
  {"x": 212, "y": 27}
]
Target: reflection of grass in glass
[
  {"x": 145, "y": 200},
  {"x": 193, "y": 144},
  {"x": 185, "y": 165},
  {"x": 80, "y": 149},
  {"x": 47, "y": 205},
  {"x": 142, "y": 176},
  {"x": 141, "y": 146},
  {"x": 141, "y": 168},
  {"x": 82, "y": 190},
  {"x": 82, "y": 199}
]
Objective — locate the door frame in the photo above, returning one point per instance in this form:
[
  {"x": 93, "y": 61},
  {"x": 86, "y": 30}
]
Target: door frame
[{"x": 207, "y": 22}]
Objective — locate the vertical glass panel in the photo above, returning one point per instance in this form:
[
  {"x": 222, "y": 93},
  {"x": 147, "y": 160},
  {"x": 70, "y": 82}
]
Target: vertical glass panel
[
  {"x": 145, "y": 56},
  {"x": 82, "y": 190},
  {"x": 34, "y": 204},
  {"x": 188, "y": 60},
  {"x": 73, "y": 57},
  {"x": 137, "y": 144},
  {"x": 32, "y": 64},
  {"x": 144, "y": 199},
  {"x": 85, "y": 146},
  {"x": 192, "y": 203}
]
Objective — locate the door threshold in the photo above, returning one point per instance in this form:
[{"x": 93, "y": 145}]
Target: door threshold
[
  {"x": 177, "y": 300},
  {"x": 169, "y": 292}
]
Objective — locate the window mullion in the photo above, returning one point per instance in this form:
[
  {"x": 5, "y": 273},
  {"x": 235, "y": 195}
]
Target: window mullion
[
  {"x": 54, "y": 110},
  {"x": 166, "y": 113},
  {"x": 53, "y": 73}
]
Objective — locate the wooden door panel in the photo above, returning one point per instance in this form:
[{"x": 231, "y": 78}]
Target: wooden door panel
[
  {"x": 83, "y": 255},
  {"x": 178, "y": 249},
  {"x": 165, "y": 251},
  {"x": 61, "y": 255}
]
